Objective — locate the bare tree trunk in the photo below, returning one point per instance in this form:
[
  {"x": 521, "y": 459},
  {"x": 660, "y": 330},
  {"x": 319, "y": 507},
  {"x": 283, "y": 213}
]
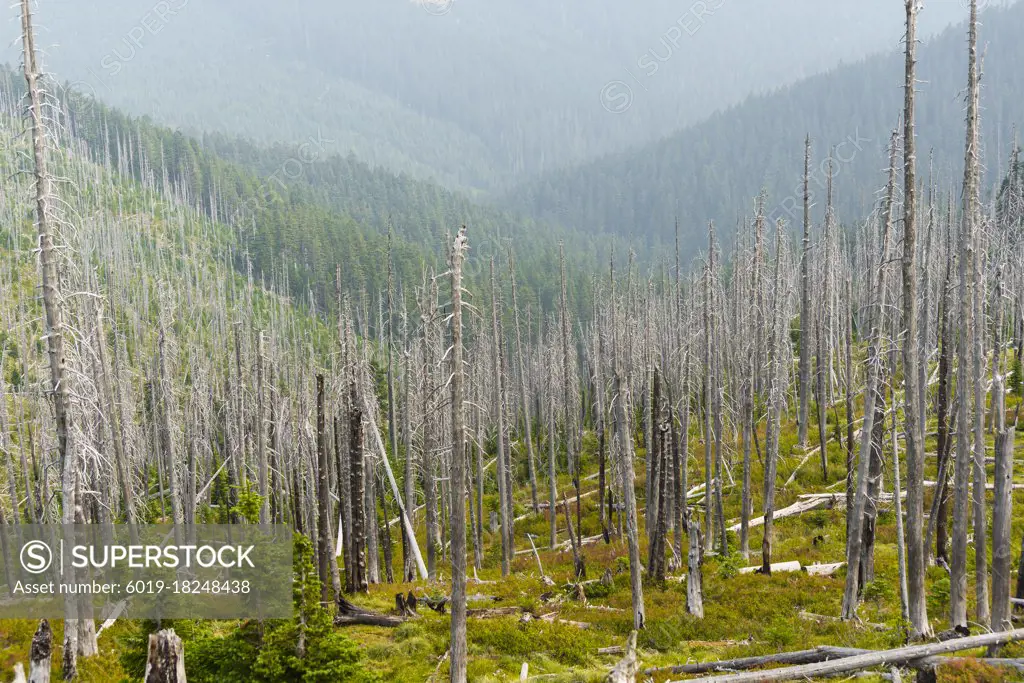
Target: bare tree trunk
[
  {"x": 40, "y": 654},
  {"x": 458, "y": 648},
  {"x": 694, "y": 579},
  {"x": 261, "y": 446},
  {"x": 569, "y": 394},
  {"x": 356, "y": 574},
  {"x": 165, "y": 662},
  {"x": 937, "y": 518},
  {"x": 1002, "y": 510},
  {"x": 325, "y": 542},
  {"x": 52, "y": 307},
  {"x": 805, "y": 305},
  {"x": 775, "y": 395},
  {"x": 524, "y": 390},
  {"x": 499, "y": 401},
  {"x": 854, "y": 537},
  {"x": 624, "y": 435},
  {"x": 913, "y": 428}
]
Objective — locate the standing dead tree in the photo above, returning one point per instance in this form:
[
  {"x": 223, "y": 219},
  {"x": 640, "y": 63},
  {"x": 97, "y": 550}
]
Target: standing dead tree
[
  {"x": 965, "y": 378},
  {"x": 912, "y": 389},
  {"x": 856, "y": 520},
  {"x": 458, "y": 648}
]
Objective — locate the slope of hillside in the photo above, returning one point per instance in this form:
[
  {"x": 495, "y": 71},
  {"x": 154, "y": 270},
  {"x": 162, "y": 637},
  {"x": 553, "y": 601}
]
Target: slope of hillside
[
  {"x": 711, "y": 171},
  {"x": 302, "y": 210},
  {"x": 476, "y": 93}
]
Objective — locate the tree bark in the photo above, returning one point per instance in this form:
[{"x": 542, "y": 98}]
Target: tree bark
[
  {"x": 458, "y": 647},
  {"x": 165, "y": 662}
]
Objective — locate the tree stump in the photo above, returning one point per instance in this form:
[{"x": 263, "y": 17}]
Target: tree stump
[
  {"x": 625, "y": 671},
  {"x": 39, "y": 655},
  {"x": 166, "y": 660},
  {"x": 694, "y": 582}
]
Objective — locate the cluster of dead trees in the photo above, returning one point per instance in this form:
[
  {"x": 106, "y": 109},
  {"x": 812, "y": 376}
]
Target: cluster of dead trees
[{"x": 158, "y": 380}]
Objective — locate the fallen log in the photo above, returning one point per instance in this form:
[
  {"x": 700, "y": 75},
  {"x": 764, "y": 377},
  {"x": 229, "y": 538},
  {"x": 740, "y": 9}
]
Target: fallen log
[
  {"x": 827, "y": 569},
  {"x": 792, "y": 566},
  {"x": 817, "y": 654},
  {"x": 805, "y": 503},
  {"x": 625, "y": 671},
  {"x": 349, "y": 615},
  {"x": 552, "y": 618},
  {"x": 493, "y": 612},
  {"x": 897, "y": 657}
]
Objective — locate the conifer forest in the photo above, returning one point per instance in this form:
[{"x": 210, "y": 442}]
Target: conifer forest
[{"x": 546, "y": 370}]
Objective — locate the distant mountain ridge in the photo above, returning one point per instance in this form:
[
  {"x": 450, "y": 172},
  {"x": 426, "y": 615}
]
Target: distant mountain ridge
[
  {"x": 714, "y": 169},
  {"x": 472, "y": 94}
]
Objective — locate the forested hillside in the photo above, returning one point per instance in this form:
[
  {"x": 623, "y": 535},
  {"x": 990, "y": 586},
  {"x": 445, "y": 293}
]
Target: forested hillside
[
  {"x": 711, "y": 170},
  {"x": 473, "y": 93},
  {"x": 301, "y": 210},
  {"x": 743, "y": 457}
]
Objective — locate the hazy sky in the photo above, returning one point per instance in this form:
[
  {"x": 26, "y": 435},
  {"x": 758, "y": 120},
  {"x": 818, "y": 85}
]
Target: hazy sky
[{"x": 470, "y": 92}]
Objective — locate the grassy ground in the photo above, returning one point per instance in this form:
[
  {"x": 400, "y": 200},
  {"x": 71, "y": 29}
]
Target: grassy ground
[{"x": 744, "y": 614}]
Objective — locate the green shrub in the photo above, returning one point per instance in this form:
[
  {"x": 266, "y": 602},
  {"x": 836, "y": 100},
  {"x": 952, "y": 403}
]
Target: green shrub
[
  {"x": 222, "y": 652},
  {"x": 879, "y": 591},
  {"x": 938, "y": 595}
]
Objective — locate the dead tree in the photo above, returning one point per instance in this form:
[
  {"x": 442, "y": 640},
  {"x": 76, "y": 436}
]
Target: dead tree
[
  {"x": 504, "y": 493},
  {"x": 165, "y": 662},
  {"x": 775, "y": 397},
  {"x": 568, "y": 397},
  {"x": 965, "y": 377},
  {"x": 1003, "y": 501},
  {"x": 524, "y": 389},
  {"x": 695, "y": 574},
  {"x": 912, "y": 389},
  {"x": 328, "y": 566},
  {"x": 54, "y": 316},
  {"x": 458, "y": 648},
  {"x": 856, "y": 519},
  {"x": 40, "y": 654},
  {"x": 805, "y": 305},
  {"x": 355, "y": 575}
]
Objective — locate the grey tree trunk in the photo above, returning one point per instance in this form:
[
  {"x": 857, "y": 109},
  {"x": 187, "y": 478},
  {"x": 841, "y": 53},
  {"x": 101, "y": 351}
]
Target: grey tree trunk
[
  {"x": 40, "y": 654},
  {"x": 694, "y": 579},
  {"x": 52, "y": 308},
  {"x": 524, "y": 390},
  {"x": 623, "y": 433},
  {"x": 499, "y": 402},
  {"x": 165, "y": 662},
  {"x": 958, "y": 559},
  {"x": 775, "y": 397},
  {"x": 356, "y": 573},
  {"x": 458, "y": 647},
  {"x": 913, "y": 428},
  {"x": 805, "y": 305},
  {"x": 856, "y": 525}
]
